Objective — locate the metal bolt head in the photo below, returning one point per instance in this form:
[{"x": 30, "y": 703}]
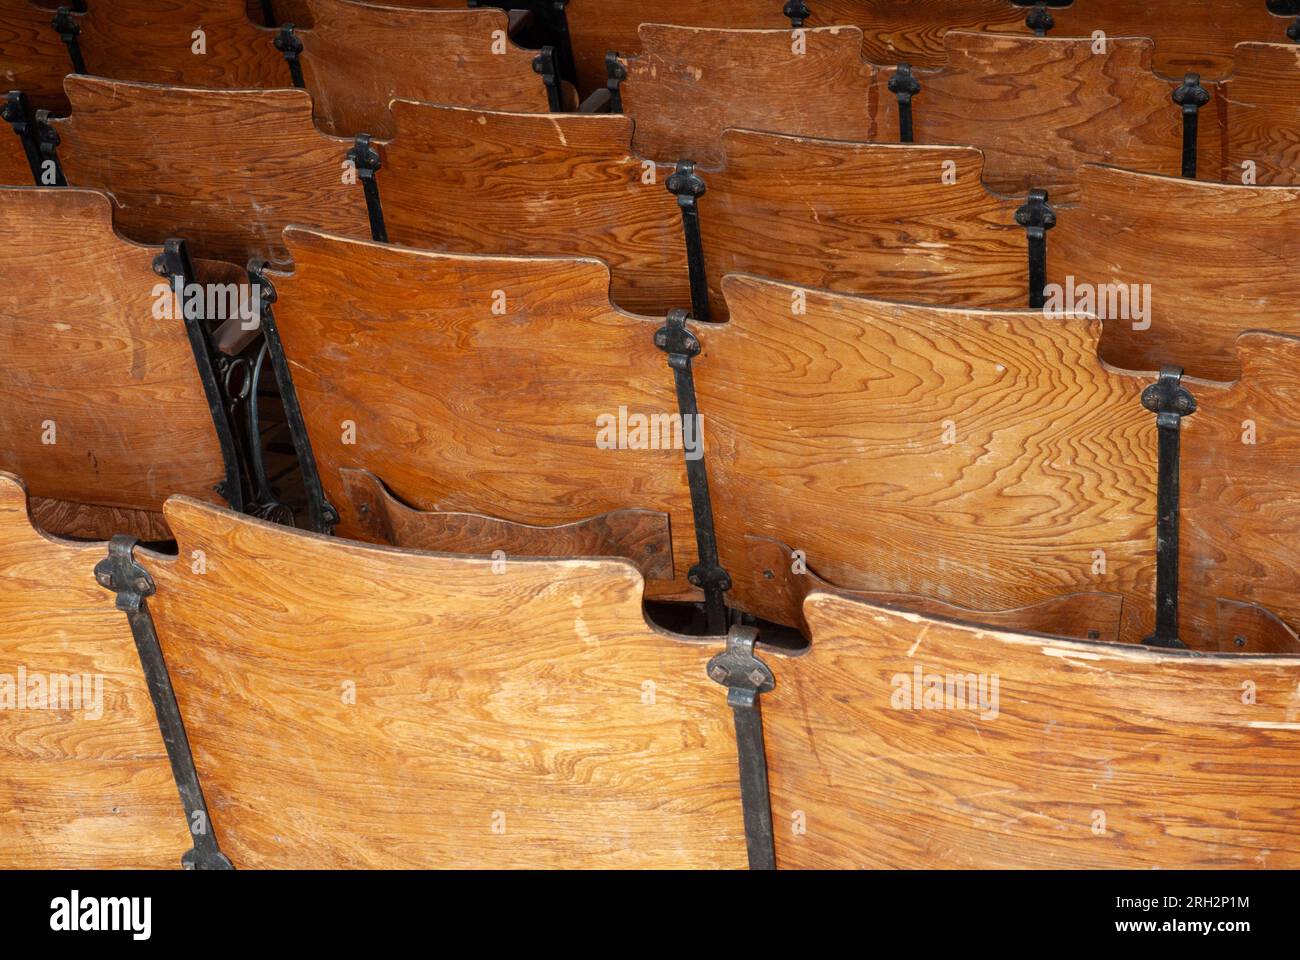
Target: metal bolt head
[
  {"x": 719, "y": 673},
  {"x": 104, "y": 578}
]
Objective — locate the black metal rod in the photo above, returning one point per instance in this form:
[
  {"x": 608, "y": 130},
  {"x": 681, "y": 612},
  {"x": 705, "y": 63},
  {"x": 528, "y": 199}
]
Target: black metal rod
[
  {"x": 366, "y": 161},
  {"x": 1170, "y": 402},
  {"x": 290, "y": 47},
  {"x": 615, "y": 74},
  {"x": 797, "y": 11},
  {"x": 1190, "y": 96},
  {"x": 323, "y": 515},
  {"x": 904, "y": 85},
  {"x": 685, "y": 184},
  {"x": 557, "y": 20},
  {"x": 132, "y": 583},
  {"x": 1037, "y": 217},
  {"x": 544, "y": 65},
  {"x": 268, "y": 13},
  {"x": 66, "y": 26},
  {"x": 18, "y": 114}
]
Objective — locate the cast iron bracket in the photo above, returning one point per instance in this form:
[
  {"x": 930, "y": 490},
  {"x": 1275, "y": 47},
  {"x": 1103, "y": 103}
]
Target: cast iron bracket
[
  {"x": 1037, "y": 217},
  {"x": 1190, "y": 96},
  {"x": 365, "y": 159},
  {"x": 290, "y": 47},
  {"x": 685, "y": 184},
  {"x": 1170, "y": 401},
  {"x": 746, "y": 677},
  {"x": 797, "y": 11},
  {"x": 615, "y": 74},
  {"x": 544, "y": 65},
  {"x": 120, "y": 573},
  {"x": 904, "y": 85},
  {"x": 1039, "y": 20},
  {"x": 66, "y": 26},
  {"x": 708, "y": 574},
  {"x": 17, "y": 112}
]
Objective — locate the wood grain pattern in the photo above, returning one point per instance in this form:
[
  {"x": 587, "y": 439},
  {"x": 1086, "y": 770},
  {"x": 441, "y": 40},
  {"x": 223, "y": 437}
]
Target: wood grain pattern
[
  {"x": 467, "y": 410},
  {"x": 226, "y": 170},
  {"x": 153, "y": 41},
  {"x": 88, "y": 521},
  {"x": 875, "y": 219},
  {"x": 86, "y": 785},
  {"x": 1249, "y": 628},
  {"x": 687, "y": 85},
  {"x": 480, "y": 700},
  {"x": 1160, "y": 745},
  {"x": 1190, "y": 35},
  {"x": 32, "y": 57},
  {"x": 1133, "y": 228},
  {"x": 14, "y": 169},
  {"x": 782, "y": 581},
  {"x": 913, "y": 31},
  {"x": 826, "y": 430},
  {"x": 1264, "y": 114},
  {"x": 641, "y": 537},
  {"x": 87, "y": 366},
  {"x": 470, "y": 181},
  {"x": 360, "y": 56},
  {"x": 1039, "y": 108},
  {"x": 1240, "y": 490}
]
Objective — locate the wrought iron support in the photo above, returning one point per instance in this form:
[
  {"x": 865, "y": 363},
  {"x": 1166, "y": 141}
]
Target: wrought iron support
[
  {"x": 904, "y": 85},
  {"x": 132, "y": 583},
  {"x": 1191, "y": 96},
  {"x": 708, "y": 574},
  {"x": 1170, "y": 401},
  {"x": 556, "y": 15},
  {"x": 18, "y": 114},
  {"x": 615, "y": 74},
  {"x": 544, "y": 66},
  {"x": 268, "y": 13},
  {"x": 1293, "y": 31},
  {"x": 685, "y": 184},
  {"x": 324, "y": 518},
  {"x": 746, "y": 677},
  {"x": 1037, "y": 217},
  {"x": 1039, "y": 20},
  {"x": 174, "y": 263},
  {"x": 66, "y": 26},
  {"x": 798, "y": 12},
  {"x": 365, "y": 159},
  {"x": 290, "y": 47}
]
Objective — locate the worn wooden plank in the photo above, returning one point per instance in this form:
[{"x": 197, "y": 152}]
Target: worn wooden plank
[
  {"x": 357, "y": 57},
  {"x": 85, "y": 783},
  {"x": 32, "y": 57},
  {"x": 1217, "y": 259},
  {"x": 355, "y": 706},
  {"x": 88, "y": 366},
  {"x": 1264, "y": 115},
  {"x": 226, "y": 170},
  {"x": 534, "y": 184},
  {"x": 1097, "y": 755}
]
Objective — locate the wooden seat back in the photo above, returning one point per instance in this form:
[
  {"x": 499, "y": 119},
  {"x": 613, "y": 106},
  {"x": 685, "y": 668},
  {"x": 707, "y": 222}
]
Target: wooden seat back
[
  {"x": 357, "y": 57},
  {"x": 226, "y": 170},
  {"x": 1219, "y": 259},
  {"x": 32, "y": 57},
  {"x": 357, "y": 706},
  {"x": 105, "y": 414},
  {"x": 886, "y": 742},
  {"x": 1263, "y": 105},
  {"x": 470, "y": 181},
  {"x": 84, "y": 777}
]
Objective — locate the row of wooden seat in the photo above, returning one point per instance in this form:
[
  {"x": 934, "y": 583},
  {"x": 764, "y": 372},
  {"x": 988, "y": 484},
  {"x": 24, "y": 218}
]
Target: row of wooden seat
[
  {"x": 228, "y": 170},
  {"x": 433, "y": 383},
  {"x": 355, "y": 706}
]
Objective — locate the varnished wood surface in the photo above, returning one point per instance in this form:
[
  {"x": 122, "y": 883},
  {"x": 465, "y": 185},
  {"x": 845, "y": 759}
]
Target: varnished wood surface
[
  {"x": 225, "y": 170},
  {"x": 1133, "y": 228},
  {"x": 460, "y": 409},
  {"x": 82, "y": 786},
  {"x": 153, "y": 41},
  {"x": 1249, "y": 628},
  {"x": 1264, "y": 114},
  {"x": 1100, "y": 755},
  {"x": 781, "y": 581},
  {"x": 14, "y": 168},
  {"x": 360, "y": 56},
  {"x": 686, "y": 86},
  {"x": 1039, "y": 108},
  {"x": 87, "y": 366},
  {"x": 875, "y": 219},
  {"x": 32, "y": 57},
  {"x": 913, "y": 31},
  {"x": 639, "y": 536},
  {"x": 826, "y": 430},
  {"x": 1241, "y": 500},
  {"x": 470, "y": 181},
  {"x": 354, "y": 706}
]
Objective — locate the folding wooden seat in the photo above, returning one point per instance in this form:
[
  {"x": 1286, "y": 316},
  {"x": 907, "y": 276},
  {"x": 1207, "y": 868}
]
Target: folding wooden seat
[
  {"x": 358, "y": 706},
  {"x": 109, "y": 404},
  {"x": 686, "y": 86},
  {"x": 1040, "y": 108},
  {"x": 902, "y": 740},
  {"x": 33, "y": 58},
  {"x": 226, "y": 170},
  {"x": 499, "y": 376},
  {"x": 84, "y": 778},
  {"x": 1263, "y": 104},
  {"x": 893, "y": 221},
  {"x": 534, "y": 184},
  {"x": 193, "y": 43},
  {"x": 359, "y": 56},
  {"x": 1217, "y": 259}
]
